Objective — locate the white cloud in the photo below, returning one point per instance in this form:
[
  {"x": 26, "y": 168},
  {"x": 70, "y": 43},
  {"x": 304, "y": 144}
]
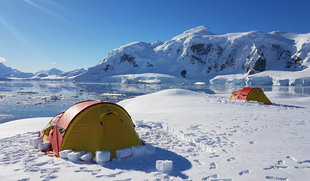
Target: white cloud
[
  {"x": 2, "y": 59},
  {"x": 46, "y": 10}
]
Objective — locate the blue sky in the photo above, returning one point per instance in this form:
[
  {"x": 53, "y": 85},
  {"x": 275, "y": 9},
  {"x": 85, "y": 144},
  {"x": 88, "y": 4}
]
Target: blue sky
[{"x": 71, "y": 34}]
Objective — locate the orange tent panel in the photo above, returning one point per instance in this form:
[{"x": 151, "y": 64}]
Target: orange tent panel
[{"x": 91, "y": 126}]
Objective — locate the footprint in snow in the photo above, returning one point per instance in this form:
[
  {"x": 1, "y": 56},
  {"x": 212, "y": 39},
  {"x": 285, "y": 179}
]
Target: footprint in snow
[
  {"x": 304, "y": 161},
  {"x": 197, "y": 161},
  {"x": 243, "y": 172},
  {"x": 212, "y": 166},
  {"x": 276, "y": 178},
  {"x": 231, "y": 159},
  {"x": 278, "y": 165},
  {"x": 214, "y": 155},
  {"x": 40, "y": 164},
  {"x": 210, "y": 176}
]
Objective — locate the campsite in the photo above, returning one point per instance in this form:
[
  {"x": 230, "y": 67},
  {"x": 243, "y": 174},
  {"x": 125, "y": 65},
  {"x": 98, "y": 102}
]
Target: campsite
[
  {"x": 154, "y": 90},
  {"x": 215, "y": 138}
]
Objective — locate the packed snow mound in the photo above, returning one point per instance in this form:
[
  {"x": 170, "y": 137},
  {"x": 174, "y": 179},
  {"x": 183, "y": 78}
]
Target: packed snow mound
[{"x": 199, "y": 54}]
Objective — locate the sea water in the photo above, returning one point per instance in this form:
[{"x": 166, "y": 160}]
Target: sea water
[{"x": 27, "y": 99}]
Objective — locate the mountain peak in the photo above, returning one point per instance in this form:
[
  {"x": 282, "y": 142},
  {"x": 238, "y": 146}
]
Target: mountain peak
[
  {"x": 197, "y": 31},
  {"x": 53, "y": 71}
]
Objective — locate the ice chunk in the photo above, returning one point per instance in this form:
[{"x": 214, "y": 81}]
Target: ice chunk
[
  {"x": 123, "y": 153},
  {"x": 138, "y": 150},
  {"x": 102, "y": 156},
  {"x": 63, "y": 154},
  {"x": 164, "y": 165},
  {"x": 74, "y": 156},
  {"x": 44, "y": 146},
  {"x": 88, "y": 157}
]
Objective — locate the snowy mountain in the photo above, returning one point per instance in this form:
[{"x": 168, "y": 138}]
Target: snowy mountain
[
  {"x": 56, "y": 74},
  {"x": 45, "y": 73},
  {"x": 7, "y": 72},
  {"x": 73, "y": 73},
  {"x": 199, "y": 54}
]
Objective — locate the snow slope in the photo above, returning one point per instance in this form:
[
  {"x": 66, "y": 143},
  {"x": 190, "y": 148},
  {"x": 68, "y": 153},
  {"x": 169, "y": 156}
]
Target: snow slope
[
  {"x": 7, "y": 72},
  {"x": 199, "y": 54},
  {"x": 208, "y": 137}
]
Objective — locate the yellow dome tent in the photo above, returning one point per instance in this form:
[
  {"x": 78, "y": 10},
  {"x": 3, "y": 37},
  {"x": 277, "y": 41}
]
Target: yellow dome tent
[
  {"x": 251, "y": 94},
  {"x": 91, "y": 126}
]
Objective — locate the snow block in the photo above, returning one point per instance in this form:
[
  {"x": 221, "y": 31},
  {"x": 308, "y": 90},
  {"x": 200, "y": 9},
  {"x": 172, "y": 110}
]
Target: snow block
[
  {"x": 44, "y": 146},
  {"x": 123, "y": 153},
  {"x": 88, "y": 157},
  {"x": 102, "y": 156},
  {"x": 75, "y": 156},
  {"x": 34, "y": 142},
  {"x": 164, "y": 165},
  {"x": 63, "y": 154},
  {"x": 138, "y": 150}
]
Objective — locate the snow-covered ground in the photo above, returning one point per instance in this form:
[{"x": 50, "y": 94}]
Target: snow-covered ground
[{"x": 206, "y": 136}]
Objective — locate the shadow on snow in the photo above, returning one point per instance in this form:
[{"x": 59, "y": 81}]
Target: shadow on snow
[
  {"x": 147, "y": 163},
  {"x": 287, "y": 106}
]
